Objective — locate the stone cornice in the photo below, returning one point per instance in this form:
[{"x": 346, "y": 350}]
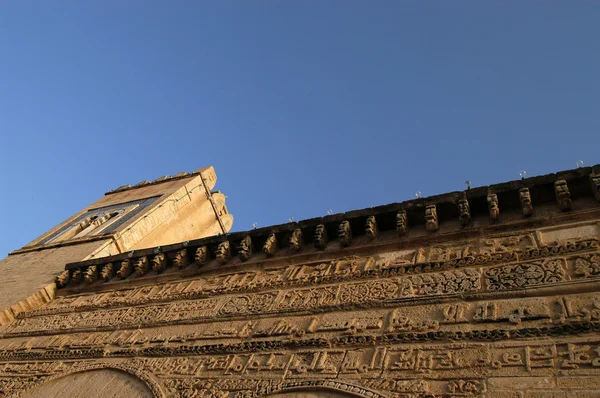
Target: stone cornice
[
  {"x": 455, "y": 215},
  {"x": 285, "y": 280},
  {"x": 159, "y": 180}
]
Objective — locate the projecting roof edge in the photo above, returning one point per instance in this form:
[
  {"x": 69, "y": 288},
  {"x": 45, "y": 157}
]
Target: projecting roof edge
[
  {"x": 159, "y": 180},
  {"x": 580, "y": 182}
]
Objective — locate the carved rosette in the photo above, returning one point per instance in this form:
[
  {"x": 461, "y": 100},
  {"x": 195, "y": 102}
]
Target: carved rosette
[
  {"x": 595, "y": 183},
  {"x": 201, "y": 256},
  {"x": 493, "y": 208},
  {"x": 320, "y": 238},
  {"x": 108, "y": 272},
  {"x": 431, "y": 218},
  {"x": 245, "y": 249},
  {"x": 63, "y": 279},
  {"x": 563, "y": 196},
  {"x": 270, "y": 246},
  {"x": 76, "y": 277},
  {"x": 125, "y": 269},
  {"x": 181, "y": 259},
  {"x": 159, "y": 263},
  {"x": 91, "y": 274},
  {"x": 526, "y": 205},
  {"x": 464, "y": 212},
  {"x": 371, "y": 227},
  {"x": 345, "y": 233},
  {"x": 223, "y": 252},
  {"x": 296, "y": 240},
  {"x": 142, "y": 266},
  {"x": 401, "y": 223}
]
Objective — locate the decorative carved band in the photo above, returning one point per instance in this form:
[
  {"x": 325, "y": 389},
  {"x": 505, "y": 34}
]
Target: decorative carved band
[{"x": 308, "y": 274}]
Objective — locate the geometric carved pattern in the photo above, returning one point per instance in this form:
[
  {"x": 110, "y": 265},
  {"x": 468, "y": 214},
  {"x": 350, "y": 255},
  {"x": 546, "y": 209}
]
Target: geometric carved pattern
[{"x": 441, "y": 318}]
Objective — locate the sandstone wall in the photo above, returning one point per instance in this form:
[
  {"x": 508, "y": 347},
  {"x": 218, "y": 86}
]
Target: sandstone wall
[{"x": 439, "y": 298}]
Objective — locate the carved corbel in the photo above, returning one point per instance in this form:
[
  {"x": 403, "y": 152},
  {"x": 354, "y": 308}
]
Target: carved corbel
[
  {"x": 76, "y": 277},
  {"x": 595, "y": 182},
  {"x": 493, "y": 208},
  {"x": 201, "y": 256},
  {"x": 431, "y": 218},
  {"x": 371, "y": 227},
  {"x": 563, "y": 196},
  {"x": 62, "y": 279},
  {"x": 91, "y": 274},
  {"x": 345, "y": 233},
  {"x": 223, "y": 253},
  {"x": 245, "y": 249},
  {"x": 270, "y": 246},
  {"x": 181, "y": 259},
  {"x": 526, "y": 205},
  {"x": 141, "y": 266},
  {"x": 464, "y": 211},
  {"x": 125, "y": 269},
  {"x": 108, "y": 272},
  {"x": 159, "y": 263},
  {"x": 320, "y": 238},
  {"x": 401, "y": 223},
  {"x": 296, "y": 240}
]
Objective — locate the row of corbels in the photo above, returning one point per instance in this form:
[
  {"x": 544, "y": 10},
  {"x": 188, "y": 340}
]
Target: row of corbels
[
  {"x": 561, "y": 191},
  {"x": 224, "y": 251}
]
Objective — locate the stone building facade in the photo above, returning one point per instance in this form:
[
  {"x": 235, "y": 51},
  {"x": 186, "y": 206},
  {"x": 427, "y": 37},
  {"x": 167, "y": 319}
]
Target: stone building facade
[{"x": 491, "y": 292}]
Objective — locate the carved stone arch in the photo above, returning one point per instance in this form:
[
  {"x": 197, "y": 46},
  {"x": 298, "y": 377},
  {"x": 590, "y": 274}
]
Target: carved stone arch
[
  {"x": 324, "y": 388},
  {"x": 145, "y": 379}
]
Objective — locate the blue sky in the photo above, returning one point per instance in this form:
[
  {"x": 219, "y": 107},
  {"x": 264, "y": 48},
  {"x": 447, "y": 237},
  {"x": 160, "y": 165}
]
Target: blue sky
[{"x": 301, "y": 106}]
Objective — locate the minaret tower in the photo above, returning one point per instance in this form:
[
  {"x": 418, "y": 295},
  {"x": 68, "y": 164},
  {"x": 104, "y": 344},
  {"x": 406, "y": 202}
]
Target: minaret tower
[{"x": 149, "y": 214}]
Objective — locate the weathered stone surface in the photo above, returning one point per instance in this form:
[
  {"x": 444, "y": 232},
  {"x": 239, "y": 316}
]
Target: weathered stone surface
[{"x": 468, "y": 305}]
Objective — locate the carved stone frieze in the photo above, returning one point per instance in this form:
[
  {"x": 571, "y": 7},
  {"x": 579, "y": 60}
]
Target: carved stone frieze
[
  {"x": 345, "y": 233},
  {"x": 320, "y": 238},
  {"x": 523, "y": 275},
  {"x": 350, "y": 295},
  {"x": 587, "y": 266},
  {"x": 512, "y": 248}
]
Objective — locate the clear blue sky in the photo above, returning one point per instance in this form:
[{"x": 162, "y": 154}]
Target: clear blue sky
[{"x": 301, "y": 106}]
